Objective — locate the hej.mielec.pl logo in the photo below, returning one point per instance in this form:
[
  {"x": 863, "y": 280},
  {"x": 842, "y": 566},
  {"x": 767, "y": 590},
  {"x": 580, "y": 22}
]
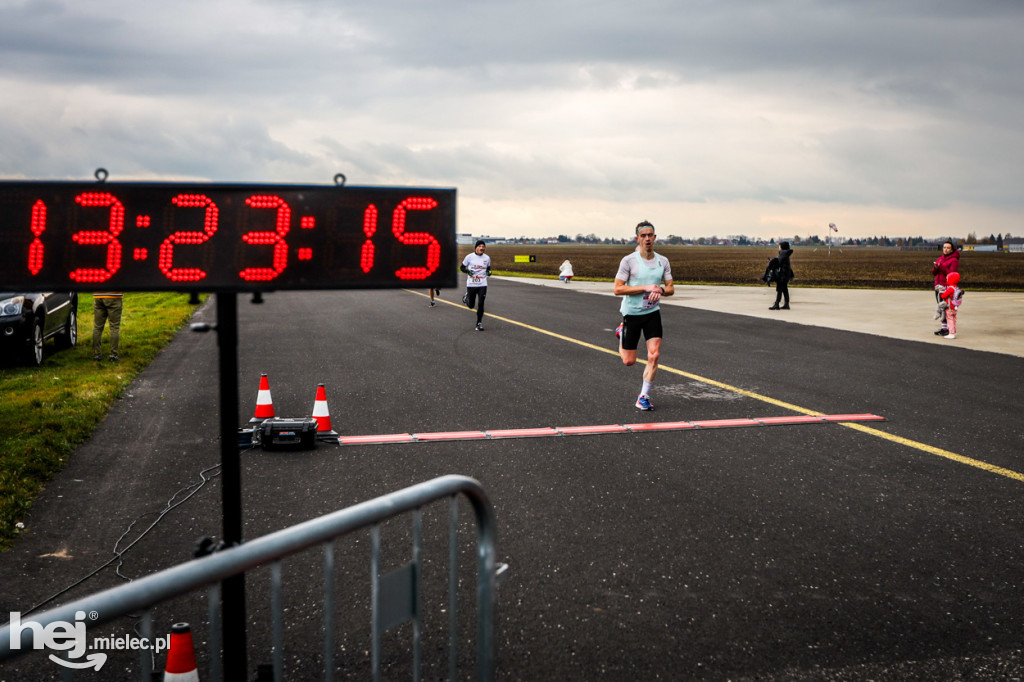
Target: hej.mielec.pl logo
[{"x": 70, "y": 638}]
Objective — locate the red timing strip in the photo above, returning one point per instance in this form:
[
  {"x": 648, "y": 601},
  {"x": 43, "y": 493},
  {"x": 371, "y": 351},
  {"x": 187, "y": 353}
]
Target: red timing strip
[
  {"x": 522, "y": 433},
  {"x": 767, "y": 421},
  {"x": 852, "y": 418},
  {"x": 391, "y": 438},
  {"x": 662, "y": 426},
  {"x": 449, "y": 435},
  {"x": 726, "y": 423},
  {"x": 606, "y": 428},
  {"x": 584, "y": 430}
]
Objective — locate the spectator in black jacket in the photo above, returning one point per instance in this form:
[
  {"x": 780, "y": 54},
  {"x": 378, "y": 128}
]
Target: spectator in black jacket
[{"x": 785, "y": 275}]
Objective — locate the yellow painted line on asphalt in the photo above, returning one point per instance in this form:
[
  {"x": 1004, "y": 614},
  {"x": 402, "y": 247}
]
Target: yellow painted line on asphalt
[
  {"x": 977, "y": 463},
  {"x": 923, "y": 447}
]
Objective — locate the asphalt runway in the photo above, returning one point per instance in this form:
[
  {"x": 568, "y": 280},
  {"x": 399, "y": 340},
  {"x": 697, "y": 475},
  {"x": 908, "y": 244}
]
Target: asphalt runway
[{"x": 875, "y": 550}]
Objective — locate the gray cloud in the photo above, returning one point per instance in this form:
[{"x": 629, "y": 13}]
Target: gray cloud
[{"x": 912, "y": 105}]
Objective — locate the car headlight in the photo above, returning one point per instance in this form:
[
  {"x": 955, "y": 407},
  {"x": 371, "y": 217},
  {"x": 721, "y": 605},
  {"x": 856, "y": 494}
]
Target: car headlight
[{"x": 12, "y": 306}]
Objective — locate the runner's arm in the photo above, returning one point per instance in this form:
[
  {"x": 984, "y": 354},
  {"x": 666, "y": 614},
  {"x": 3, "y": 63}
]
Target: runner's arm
[{"x": 623, "y": 289}]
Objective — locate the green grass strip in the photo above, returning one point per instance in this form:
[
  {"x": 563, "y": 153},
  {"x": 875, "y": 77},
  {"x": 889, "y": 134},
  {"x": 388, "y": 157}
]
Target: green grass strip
[{"x": 50, "y": 410}]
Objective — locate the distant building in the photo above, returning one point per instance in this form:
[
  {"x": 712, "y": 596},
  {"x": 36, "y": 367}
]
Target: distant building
[{"x": 465, "y": 238}]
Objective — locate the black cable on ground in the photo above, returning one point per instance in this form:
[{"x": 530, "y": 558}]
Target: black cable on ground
[{"x": 171, "y": 505}]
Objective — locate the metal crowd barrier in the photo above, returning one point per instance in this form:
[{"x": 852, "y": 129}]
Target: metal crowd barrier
[{"x": 394, "y": 596}]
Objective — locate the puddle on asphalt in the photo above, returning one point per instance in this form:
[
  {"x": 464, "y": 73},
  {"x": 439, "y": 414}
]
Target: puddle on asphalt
[{"x": 695, "y": 390}]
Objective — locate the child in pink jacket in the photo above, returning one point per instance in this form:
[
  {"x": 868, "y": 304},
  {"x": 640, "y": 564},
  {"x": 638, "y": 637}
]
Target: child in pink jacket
[{"x": 953, "y": 297}]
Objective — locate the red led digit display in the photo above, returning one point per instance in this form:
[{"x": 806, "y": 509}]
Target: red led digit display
[
  {"x": 216, "y": 237},
  {"x": 166, "y": 258},
  {"x": 419, "y": 238},
  {"x": 369, "y": 229},
  {"x": 36, "y": 250},
  {"x": 275, "y": 238},
  {"x": 99, "y": 237}
]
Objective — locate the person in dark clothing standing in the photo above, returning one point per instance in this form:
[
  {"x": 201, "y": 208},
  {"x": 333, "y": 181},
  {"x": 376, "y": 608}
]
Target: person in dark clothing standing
[{"x": 785, "y": 275}]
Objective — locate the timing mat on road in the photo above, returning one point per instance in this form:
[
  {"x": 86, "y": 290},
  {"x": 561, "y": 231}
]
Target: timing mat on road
[{"x": 604, "y": 428}]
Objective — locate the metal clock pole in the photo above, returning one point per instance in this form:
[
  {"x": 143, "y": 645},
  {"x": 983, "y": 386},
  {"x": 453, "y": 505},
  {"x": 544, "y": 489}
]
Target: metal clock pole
[{"x": 233, "y": 588}]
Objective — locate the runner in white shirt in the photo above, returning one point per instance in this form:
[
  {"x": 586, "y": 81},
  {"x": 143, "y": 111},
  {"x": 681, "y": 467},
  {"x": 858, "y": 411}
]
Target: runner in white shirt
[
  {"x": 477, "y": 267},
  {"x": 639, "y": 282}
]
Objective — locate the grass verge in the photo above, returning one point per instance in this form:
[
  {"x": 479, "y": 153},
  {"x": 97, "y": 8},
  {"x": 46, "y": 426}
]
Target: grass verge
[{"x": 49, "y": 411}]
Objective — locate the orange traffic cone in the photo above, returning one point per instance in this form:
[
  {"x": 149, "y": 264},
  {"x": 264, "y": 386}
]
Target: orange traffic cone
[
  {"x": 264, "y": 403},
  {"x": 322, "y": 415},
  {"x": 181, "y": 657}
]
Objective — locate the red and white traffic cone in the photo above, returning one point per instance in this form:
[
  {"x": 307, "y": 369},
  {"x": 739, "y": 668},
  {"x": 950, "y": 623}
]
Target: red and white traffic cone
[
  {"x": 181, "y": 656},
  {"x": 322, "y": 415},
  {"x": 264, "y": 403}
]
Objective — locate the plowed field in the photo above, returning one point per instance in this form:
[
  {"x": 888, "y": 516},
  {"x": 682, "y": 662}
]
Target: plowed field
[{"x": 859, "y": 267}]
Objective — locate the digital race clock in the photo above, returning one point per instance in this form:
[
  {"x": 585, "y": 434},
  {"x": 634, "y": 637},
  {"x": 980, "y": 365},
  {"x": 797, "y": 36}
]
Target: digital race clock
[{"x": 128, "y": 236}]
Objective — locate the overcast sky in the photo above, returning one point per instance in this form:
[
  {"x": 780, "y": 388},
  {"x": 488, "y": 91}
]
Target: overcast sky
[{"x": 757, "y": 117}]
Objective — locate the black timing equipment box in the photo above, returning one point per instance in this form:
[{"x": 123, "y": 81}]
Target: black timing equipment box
[{"x": 279, "y": 433}]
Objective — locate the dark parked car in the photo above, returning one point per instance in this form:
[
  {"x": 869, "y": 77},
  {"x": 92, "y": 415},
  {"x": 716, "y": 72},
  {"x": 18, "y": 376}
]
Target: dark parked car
[{"x": 26, "y": 320}]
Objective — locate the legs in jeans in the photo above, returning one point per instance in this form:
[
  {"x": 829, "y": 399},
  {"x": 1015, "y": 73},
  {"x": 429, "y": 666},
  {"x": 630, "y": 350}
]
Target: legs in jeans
[
  {"x": 99, "y": 318},
  {"x": 104, "y": 310}
]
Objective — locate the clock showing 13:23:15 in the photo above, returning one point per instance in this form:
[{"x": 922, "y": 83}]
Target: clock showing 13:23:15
[{"x": 223, "y": 237}]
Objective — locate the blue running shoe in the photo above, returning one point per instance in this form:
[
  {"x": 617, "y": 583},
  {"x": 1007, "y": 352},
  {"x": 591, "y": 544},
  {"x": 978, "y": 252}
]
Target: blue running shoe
[
  {"x": 618, "y": 331},
  {"x": 644, "y": 403}
]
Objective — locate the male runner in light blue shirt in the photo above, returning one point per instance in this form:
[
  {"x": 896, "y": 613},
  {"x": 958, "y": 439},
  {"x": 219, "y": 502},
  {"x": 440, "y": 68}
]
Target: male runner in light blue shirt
[{"x": 639, "y": 282}]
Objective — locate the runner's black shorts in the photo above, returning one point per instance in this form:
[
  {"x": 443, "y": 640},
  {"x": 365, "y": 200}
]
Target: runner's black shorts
[
  {"x": 632, "y": 325},
  {"x": 472, "y": 293}
]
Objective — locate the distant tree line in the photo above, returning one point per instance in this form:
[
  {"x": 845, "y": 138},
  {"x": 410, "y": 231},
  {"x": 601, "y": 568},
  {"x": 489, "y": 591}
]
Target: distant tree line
[
  {"x": 971, "y": 238},
  {"x": 796, "y": 240}
]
